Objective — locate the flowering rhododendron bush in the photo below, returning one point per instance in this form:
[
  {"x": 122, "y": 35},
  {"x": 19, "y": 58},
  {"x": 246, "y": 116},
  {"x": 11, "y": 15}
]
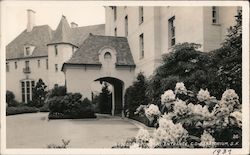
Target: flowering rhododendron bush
[{"x": 181, "y": 122}]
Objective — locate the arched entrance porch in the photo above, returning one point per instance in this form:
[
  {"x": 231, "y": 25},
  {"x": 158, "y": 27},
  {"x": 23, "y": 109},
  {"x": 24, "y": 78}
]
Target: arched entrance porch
[{"x": 117, "y": 94}]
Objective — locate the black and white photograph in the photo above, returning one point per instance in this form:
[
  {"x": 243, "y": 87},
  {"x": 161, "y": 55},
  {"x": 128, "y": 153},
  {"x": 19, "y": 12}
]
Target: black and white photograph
[{"x": 108, "y": 77}]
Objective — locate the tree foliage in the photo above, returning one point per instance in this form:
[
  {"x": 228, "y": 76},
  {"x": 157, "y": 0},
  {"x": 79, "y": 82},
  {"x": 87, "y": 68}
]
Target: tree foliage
[
  {"x": 38, "y": 94},
  {"x": 135, "y": 95},
  {"x": 105, "y": 100}
]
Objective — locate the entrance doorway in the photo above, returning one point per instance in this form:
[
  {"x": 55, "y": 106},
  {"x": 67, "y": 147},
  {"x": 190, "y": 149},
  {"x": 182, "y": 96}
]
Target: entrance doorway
[{"x": 116, "y": 105}]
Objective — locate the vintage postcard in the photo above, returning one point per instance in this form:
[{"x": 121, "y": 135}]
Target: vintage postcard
[{"x": 127, "y": 77}]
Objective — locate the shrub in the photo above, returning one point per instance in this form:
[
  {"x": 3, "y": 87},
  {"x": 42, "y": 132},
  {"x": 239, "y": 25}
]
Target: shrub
[
  {"x": 70, "y": 106},
  {"x": 192, "y": 124},
  {"x": 57, "y": 91},
  {"x": 20, "y": 110},
  {"x": 64, "y": 145},
  {"x": 10, "y": 99},
  {"x": 135, "y": 95}
]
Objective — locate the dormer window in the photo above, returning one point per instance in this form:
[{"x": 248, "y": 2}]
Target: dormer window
[{"x": 28, "y": 50}]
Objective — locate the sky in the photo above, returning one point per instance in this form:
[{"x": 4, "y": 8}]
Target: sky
[{"x": 49, "y": 13}]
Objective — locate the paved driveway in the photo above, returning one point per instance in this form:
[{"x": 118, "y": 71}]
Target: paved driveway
[{"x": 35, "y": 131}]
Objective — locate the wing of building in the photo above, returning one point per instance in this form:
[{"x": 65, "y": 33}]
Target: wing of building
[{"x": 132, "y": 40}]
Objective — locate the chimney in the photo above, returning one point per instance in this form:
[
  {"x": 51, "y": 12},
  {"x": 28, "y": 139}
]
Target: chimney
[
  {"x": 74, "y": 25},
  {"x": 31, "y": 20}
]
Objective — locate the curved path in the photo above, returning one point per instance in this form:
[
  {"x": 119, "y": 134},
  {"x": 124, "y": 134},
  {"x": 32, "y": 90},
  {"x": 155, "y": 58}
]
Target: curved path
[{"x": 35, "y": 131}]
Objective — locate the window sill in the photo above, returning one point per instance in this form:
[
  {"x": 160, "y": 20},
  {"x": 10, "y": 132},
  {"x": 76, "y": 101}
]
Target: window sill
[{"x": 215, "y": 24}]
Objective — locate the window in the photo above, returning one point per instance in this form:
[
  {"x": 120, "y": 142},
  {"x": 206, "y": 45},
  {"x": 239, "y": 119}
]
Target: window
[
  {"x": 56, "y": 67},
  {"x": 38, "y": 63},
  {"x": 107, "y": 56},
  {"x": 27, "y": 51},
  {"x": 215, "y": 15},
  {"x": 27, "y": 64},
  {"x": 7, "y": 67},
  {"x": 47, "y": 64},
  {"x": 115, "y": 12},
  {"x": 56, "y": 50},
  {"x": 115, "y": 31},
  {"x": 171, "y": 31},
  {"x": 126, "y": 26},
  {"x": 26, "y": 88},
  {"x": 141, "y": 46},
  {"x": 140, "y": 14},
  {"x": 15, "y": 65}
]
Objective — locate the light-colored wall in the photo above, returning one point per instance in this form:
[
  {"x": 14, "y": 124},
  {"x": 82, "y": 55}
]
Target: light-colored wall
[
  {"x": 14, "y": 76},
  {"x": 79, "y": 80},
  {"x": 214, "y": 34},
  {"x": 64, "y": 54},
  {"x": 192, "y": 24}
]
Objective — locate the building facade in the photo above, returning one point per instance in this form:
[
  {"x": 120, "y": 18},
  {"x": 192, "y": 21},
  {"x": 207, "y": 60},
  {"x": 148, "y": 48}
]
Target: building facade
[
  {"x": 152, "y": 31},
  {"x": 132, "y": 40}
]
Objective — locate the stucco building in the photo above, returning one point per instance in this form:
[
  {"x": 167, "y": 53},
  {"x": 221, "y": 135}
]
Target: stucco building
[
  {"x": 152, "y": 31},
  {"x": 132, "y": 40}
]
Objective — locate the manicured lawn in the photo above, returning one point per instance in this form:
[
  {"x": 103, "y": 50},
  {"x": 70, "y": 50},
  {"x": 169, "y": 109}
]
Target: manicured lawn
[{"x": 36, "y": 131}]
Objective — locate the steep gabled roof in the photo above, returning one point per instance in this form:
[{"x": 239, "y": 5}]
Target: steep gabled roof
[
  {"x": 62, "y": 32},
  {"x": 75, "y": 36},
  {"x": 39, "y": 37},
  {"x": 88, "y": 51}
]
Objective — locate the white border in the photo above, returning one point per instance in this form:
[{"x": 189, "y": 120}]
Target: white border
[{"x": 245, "y": 80}]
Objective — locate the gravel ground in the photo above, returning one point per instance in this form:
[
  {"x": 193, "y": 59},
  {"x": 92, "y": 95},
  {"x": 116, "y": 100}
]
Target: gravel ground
[{"x": 36, "y": 131}]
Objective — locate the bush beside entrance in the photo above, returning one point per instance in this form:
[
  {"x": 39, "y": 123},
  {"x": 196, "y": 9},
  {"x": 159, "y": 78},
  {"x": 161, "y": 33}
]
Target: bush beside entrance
[{"x": 70, "y": 106}]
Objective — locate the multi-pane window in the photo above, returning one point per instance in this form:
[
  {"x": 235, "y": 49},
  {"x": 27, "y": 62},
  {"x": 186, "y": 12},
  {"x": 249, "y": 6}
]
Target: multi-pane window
[
  {"x": 56, "y": 50},
  {"x": 115, "y": 31},
  {"x": 56, "y": 67},
  {"x": 47, "y": 64},
  {"x": 38, "y": 63},
  {"x": 140, "y": 14},
  {"x": 171, "y": 31},
  {"x": 115, "y": 12},
  {"x": 7, "y": 67},
  {"x": 141, "y": 40},
  {"x": 215, "y": 15},
  {"x": 126, "y": 26},
  {"x": 26, "y": 88},
  {"x": 15, "y": 65}
]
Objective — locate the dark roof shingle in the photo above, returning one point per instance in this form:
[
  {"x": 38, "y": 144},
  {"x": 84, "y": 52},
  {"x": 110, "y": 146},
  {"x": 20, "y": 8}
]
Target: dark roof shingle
[
  {"x": 75, "y": 36},
  {"x": 88, "y": 51},
  {"x": 39, "y": 37}
]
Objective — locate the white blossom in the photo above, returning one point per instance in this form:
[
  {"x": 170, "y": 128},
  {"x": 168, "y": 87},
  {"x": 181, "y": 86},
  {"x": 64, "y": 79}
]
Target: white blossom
[
  {"x": 152, "y": 111},
  {"x": 180, "y": 88},
  {"x": 167, "y": 97},
  {"x": 238, "y": 117},
  {"x": 180, "y": 108},
  {"x": 203, "y": 95},
  {"x": 229, "y": 95},
  {"x": 142, "y": 135},
  {"x": 207, "y": 140}
]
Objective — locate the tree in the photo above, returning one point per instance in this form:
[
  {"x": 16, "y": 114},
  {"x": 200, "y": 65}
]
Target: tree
[
  {"x": 228, "y": 58},
  {"x": 38, "y": 94},
  {"x": 135, "y": 95},
  {"x": 105, "y": 100}
]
